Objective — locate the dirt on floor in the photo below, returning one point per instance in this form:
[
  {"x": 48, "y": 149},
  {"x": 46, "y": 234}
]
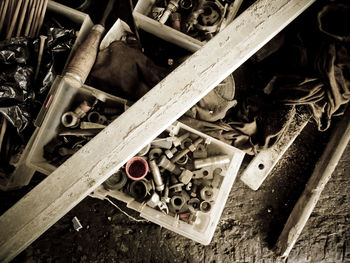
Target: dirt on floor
[{"x": 247, "y": 231}]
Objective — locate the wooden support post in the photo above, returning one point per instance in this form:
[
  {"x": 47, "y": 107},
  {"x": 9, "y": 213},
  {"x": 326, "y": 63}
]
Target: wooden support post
[
  {"x": 319, "y": 178},
  {"x": 142, "y": 122}
]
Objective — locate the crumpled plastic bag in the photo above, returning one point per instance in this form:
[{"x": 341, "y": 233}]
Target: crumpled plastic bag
[
  {"x": 18, "y": 59},
  {"x": 57, "y": 48}
]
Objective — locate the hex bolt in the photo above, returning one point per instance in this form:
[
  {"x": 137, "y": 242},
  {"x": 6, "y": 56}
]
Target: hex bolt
[
  {"x": 215, "y": 160},
  {"x": 205, "y": 207},
  {"x": 191, "y": 148},
  {"x": 217, "y": 179},
  {"x": 177, "y": 140},
  {"x": 185, "y": 176},
  {"x": 156, "y": 175},
  {"x": 170, "y": 153},
  {"x": 172, "y": 7},
  {"x": 82, "y": 109},
  {"x": 207, "y": 193},
  {"x": 194, "y": 189},
  {"x": 168, "y": 165}
]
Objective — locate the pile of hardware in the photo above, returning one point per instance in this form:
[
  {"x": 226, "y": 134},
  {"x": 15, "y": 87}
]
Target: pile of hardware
[
  {"x": 200, "y": 19},
  {"x": 183, "y": 178},
  {"x": 79, "y": 127}
]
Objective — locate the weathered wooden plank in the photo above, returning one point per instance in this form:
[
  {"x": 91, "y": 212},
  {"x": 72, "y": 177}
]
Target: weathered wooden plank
[
  {"x": 142, "y": 122},
  {"x": 318, "y": 180},
  {"x": 263, "y": 163}
]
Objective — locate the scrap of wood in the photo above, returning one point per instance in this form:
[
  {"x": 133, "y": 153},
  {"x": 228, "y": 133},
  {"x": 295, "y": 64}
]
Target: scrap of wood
[
  {"x": 142, "y": 122},
  {"x": 14, "y": 18},
  {"x": 22, "y": 16},
  {"x": 318, "y": 180},
  {"x": 3, "y": 13},
  {"x": 263, "y": 163}
]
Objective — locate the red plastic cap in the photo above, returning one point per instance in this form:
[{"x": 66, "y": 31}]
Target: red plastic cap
[{"x": 136, "y": 168}]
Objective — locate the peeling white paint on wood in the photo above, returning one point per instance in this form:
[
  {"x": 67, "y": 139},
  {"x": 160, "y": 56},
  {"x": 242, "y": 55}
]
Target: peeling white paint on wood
[{"x": 142, "y": 122}]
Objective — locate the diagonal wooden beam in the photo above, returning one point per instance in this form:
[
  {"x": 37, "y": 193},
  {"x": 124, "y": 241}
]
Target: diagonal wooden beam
[{"x": 167, "y": 101}]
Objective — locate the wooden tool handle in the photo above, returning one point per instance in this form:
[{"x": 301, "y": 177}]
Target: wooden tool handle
[{"x": 84, "y": 58}]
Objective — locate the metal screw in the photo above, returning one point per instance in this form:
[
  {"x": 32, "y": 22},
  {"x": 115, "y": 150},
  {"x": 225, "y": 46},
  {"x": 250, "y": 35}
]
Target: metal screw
[{"x": 191, "y": 148}]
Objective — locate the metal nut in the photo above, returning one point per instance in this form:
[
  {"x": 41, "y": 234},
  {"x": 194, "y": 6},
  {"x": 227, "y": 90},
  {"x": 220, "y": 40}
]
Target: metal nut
[
  {"x": 207, "y": 194},
  {"x": 205, "y": 207},
  {"x": 185, "y": 176}
]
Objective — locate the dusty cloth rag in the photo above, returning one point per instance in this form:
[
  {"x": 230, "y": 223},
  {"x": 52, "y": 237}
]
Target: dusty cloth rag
[
  {"x": 324, "y": 95},
  {"x": 324, "y": 87},
  {"x": 124, "y": 71},
  {"x": 251, "y": 126}
]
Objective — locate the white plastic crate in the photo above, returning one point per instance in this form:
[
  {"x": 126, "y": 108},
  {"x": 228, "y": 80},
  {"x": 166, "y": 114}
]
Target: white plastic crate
[
  {"x": 62, "y": 98},
  {"x": 140, "y": 14},
  {"x": 24, "y": 172},
  {"x": 202, "y": 230}
]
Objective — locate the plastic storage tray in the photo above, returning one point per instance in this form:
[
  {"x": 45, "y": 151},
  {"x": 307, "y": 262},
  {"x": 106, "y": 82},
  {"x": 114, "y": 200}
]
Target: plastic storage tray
[
  {"x": 204, "y": 227},
  {"x": 23, "y": 172},
  {"x": 62, "y": 98},
  {"x": 140, "y": 14}
]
